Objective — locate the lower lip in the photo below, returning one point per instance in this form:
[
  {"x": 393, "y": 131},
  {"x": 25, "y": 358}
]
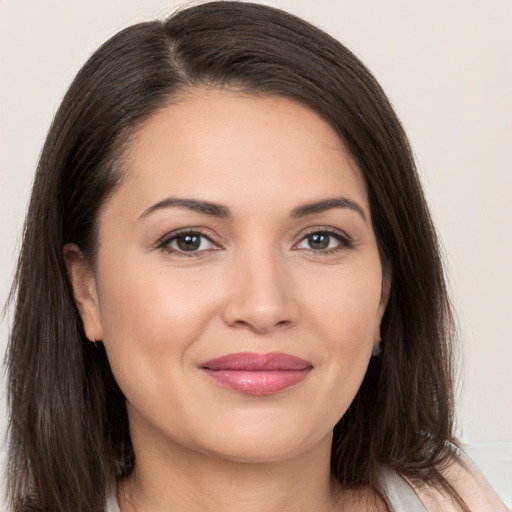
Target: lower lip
[{"x": 257, "y": 382}]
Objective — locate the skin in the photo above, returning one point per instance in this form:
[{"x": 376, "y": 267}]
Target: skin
[{"x": 256, "y": 284}]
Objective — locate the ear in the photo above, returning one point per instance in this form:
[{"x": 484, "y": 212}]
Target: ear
[
  {"x": 384, "y": 298},
  {"x": 83, "y": 284}
]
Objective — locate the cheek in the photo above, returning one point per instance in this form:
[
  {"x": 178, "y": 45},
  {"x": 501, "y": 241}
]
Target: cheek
[
  {"x": 150, "y": 316},
  {"x": 344, "y": 304},
  {"x": 138, "y": 297},
  {"x": 343, "y": 314}
]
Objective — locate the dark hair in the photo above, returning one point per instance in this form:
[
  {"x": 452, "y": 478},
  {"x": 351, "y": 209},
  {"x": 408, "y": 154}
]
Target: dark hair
[{"x": 68, "y": 425}]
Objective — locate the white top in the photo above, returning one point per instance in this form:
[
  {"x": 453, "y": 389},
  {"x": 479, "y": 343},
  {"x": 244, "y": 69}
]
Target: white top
[{"x": 402, "y": 497}]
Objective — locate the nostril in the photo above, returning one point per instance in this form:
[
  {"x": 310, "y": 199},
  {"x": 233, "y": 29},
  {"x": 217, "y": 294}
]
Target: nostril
[{"x": 260, "y": 301}]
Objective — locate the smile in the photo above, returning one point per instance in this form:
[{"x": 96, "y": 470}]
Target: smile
[{"x": 257, "y": 374}]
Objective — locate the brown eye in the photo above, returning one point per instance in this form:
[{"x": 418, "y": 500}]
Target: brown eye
[{"x": 190, "y": 242}]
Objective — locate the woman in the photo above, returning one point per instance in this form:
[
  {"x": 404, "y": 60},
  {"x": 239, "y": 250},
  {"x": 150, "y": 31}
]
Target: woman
[{"x": 230, "y": 294}]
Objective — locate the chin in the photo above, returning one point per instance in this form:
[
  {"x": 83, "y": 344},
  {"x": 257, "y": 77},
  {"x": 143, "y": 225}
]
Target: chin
[
  {"x": 247, "y": 449},
  {"x": 268, "y": 439}
]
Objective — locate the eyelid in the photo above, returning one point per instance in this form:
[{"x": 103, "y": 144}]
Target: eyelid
[
  {"x": 345, "y": 240},
  {"x": 163, "y": 242}
]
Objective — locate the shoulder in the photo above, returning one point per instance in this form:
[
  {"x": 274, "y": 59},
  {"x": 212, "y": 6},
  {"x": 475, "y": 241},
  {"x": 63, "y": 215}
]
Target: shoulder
[
  {"x": 471, "y": 485},
  {"x": 112, "y": 505}
]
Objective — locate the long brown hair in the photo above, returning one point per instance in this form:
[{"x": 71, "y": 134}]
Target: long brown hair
[{"x": 68, "y": 430}]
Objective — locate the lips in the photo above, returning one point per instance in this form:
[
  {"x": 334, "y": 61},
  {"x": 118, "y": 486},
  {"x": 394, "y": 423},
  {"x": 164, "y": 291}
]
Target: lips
[{"x": 257, "y": 374}]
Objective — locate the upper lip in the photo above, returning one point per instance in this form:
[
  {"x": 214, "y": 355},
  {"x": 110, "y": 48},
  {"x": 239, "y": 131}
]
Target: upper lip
[{"x": 252, "y": 361}]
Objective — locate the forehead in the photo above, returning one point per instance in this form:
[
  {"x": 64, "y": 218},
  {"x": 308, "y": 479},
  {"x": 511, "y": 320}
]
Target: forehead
[{"x": 229, "y": 146}]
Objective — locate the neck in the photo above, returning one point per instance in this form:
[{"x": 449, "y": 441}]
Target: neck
[{"x": 176, "y": 478}]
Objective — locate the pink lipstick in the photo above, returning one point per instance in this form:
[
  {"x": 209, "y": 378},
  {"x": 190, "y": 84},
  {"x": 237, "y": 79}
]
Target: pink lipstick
[{"x": 257, "y": 374}]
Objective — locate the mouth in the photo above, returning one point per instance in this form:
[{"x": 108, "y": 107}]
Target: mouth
[{"x": 257, "y": 374}]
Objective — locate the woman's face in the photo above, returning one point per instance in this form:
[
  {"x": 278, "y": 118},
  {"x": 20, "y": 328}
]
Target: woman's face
[{"x": 237, "y": 286}]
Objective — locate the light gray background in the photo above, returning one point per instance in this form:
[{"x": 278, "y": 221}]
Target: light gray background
[{"x": 446, "y": 66}]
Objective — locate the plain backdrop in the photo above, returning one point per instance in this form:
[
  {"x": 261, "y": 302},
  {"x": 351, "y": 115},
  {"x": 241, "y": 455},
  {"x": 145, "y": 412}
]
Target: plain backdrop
[{"x": 447, "y": 68}]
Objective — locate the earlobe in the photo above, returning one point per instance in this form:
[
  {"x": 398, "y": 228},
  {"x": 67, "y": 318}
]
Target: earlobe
[{"x": 83, "y": 284}]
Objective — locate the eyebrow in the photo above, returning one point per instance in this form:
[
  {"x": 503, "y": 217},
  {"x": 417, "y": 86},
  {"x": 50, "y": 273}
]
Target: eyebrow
[
  {"x": 205, "y": 207},
  {"x": 222, "y": 211},
  {"x": 327, "y": 204}
]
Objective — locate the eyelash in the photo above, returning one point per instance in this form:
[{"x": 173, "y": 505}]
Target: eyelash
[
  {"x": 344, "y": 242},
  {"x": 168, "y": 239}
]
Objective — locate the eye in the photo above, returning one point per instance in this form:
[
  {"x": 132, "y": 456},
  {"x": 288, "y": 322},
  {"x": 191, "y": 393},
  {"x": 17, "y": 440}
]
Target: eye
[
  {"x": 189, "y": 243},
  {"x": 324, "y": 241}
]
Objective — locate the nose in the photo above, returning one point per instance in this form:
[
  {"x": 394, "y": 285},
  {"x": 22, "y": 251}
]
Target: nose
[{"x": 260, "y": 295}]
